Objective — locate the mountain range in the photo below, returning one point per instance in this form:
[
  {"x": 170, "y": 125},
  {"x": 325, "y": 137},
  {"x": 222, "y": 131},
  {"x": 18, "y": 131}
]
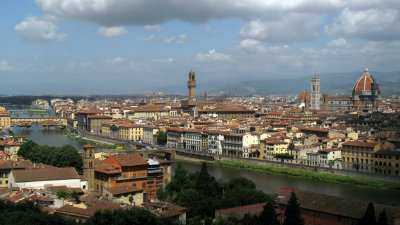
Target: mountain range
[{"x": 334, "y": 84}]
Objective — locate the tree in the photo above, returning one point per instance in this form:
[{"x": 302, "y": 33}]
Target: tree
[
  {"x": 292, "y": 212},
  {"x": 241, "y": 182},
  {"x": 382, "y": 218},
  {"x": 75, "y": 196},
  {"x": 162, "y": 138},
  {"x": 291, "y": 146},
  {"x": 268, "y": 216},
  {"x": 369, "y": 217},
  {"x": 62, "y": 194},
  {"x": 65, "y": 156}
]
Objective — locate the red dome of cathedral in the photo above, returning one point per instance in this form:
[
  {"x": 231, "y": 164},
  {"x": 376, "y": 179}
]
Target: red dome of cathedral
[
  {"x": 304, "y": 95},
  {"x": 364, "y": 83}
]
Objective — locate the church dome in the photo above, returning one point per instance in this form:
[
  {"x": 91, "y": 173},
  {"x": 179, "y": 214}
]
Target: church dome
[
  {"x": 364, "y": 83},
  {"x": 304, "y": 95}
]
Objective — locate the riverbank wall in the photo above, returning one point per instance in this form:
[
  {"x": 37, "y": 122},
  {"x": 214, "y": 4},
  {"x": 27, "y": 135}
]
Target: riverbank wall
[{"x": 339, "y": 172}]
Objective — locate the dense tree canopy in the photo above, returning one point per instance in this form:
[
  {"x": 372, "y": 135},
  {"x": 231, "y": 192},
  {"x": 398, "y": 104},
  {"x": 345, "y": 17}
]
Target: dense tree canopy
[
  {"x": 65, "y": 156},
  {"x": 26, "y": 212},
  {"x": 162, "y": 138},
  {"x": 202, "y": 194}
]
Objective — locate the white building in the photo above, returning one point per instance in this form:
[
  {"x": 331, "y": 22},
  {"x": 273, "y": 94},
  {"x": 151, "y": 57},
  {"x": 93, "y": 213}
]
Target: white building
[
  {"x": 214, "y": 142},
  {"x": 42, "y": 178},
  {"x": 149, "y": 134},
  {"x": 193, "y": 140}
]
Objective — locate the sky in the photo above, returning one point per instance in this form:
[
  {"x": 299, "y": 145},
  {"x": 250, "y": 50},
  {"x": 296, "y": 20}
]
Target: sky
[{"x": 118, "y": 46}]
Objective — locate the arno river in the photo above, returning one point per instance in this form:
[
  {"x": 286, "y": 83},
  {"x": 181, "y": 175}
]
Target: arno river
[{"x": 266, "y": 182}]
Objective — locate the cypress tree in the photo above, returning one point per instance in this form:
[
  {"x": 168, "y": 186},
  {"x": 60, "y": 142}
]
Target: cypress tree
[
  {"x": 382, "y": 218},
  {"x": 369, "y": 217},
  {"x": 292, "y": 212},
  {"x": 268, "y": 216}
]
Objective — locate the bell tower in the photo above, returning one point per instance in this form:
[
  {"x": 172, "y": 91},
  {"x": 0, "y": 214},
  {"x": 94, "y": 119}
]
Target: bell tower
[
  {"x": 192, "y": 85},
  {"x": 315, "y": 93},
  {"x": 88, "y": 165}
]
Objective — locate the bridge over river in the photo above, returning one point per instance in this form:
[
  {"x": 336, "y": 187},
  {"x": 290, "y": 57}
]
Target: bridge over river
[
  {"x": 171, "y": 154},
  {"x": 45, "y": 122}
]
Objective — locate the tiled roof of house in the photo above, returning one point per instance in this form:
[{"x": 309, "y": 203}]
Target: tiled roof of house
[
  {"x": 130, "y": 159},
  {"x": 333, "y": 205},
  {"x": 45, "y": 174},
  {"x": 122, "y": 189}
]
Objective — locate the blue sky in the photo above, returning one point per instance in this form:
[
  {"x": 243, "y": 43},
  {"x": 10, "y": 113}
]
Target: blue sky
[{"x": 117, "y": 46}]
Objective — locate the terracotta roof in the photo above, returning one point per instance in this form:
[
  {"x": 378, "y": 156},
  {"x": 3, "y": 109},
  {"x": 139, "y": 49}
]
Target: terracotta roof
[
  {"x": 89, "y": 146},
  {"x": 361, "y": 144},
  {"x": 130, "y": 159},
  {"x": 99, "y": 166},
  {"x": 45, "y": 174},
  {"x": 122, "y": 189},
  {"x": 241, "y": 208},
  {"x": 99, "y": 117},
  {"x": 313, "y": 129},
  {"x": 170, "y": 209},
  {"x": 95, "y": 205},
  {"x": 333, "y": 205}
]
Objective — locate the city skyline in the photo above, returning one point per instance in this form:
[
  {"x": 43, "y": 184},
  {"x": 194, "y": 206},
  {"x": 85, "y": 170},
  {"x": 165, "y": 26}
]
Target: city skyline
[{"x": 113, "y": 47}]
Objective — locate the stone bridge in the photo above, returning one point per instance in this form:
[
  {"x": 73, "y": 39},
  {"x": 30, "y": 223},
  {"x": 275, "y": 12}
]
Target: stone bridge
[
  {"x": 172, "y": 154},
  {"x": 46, "y": 122}
]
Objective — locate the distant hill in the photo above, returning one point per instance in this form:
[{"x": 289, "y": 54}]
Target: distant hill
[{"x": 331, "y": 83}]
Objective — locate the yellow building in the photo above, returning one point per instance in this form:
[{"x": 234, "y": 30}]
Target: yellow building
[
  {"x": 387, "y": 162},
  {"x": 270, "y": 147},
  {"x": 5, "y": 118},
  {"x": 131, "y": 132},
  {"x": 358, "y": 155},
  {"x": 11, "y": 149}
]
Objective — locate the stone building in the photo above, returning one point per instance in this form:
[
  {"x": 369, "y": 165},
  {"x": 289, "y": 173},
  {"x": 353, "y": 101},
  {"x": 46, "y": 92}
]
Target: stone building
[
  {"x": 5, "y": 118},
  {"x": 192, "y": 85}
]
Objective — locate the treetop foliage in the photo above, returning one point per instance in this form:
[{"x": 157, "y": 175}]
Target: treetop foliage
[
  {"x": 65, "y": 156},
  {"x": 202, "y": 194}
]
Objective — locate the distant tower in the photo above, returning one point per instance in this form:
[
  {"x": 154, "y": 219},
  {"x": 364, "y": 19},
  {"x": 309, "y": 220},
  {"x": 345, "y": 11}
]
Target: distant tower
[
  {"x": 307, "y": 101},
  {"x": 192, "y": 85},
  {"x": 325, "y": 105},
  {"x": 315, "y": 94},
  {"x": 88, "y": 165}
]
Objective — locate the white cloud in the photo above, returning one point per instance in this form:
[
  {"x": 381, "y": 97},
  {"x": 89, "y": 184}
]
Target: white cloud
[
  {"x": 149, "y": 38},
  {"x": 39, "y": 29},
  {"x": 114, "y": 60},
  {"x": 170, "y": 40},
  {"x": 213, "y": 55},
  {"x": 152, "y": 28},
  {"x": 163, "y": 61},
  {"x": 5, "y": 66},
  {"x": 293, "y": 27},
  {"x": 250, "y": 45},
  {"x": 338, "y": 43},
  {"x": 111, "y": 31},
  {"x": 181, "y": 39},
  {"x": 371, "y": 24}
]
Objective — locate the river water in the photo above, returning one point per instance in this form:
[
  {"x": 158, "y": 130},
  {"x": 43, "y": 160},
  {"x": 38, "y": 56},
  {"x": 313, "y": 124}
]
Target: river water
[{"x": 266, "y": 182}]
